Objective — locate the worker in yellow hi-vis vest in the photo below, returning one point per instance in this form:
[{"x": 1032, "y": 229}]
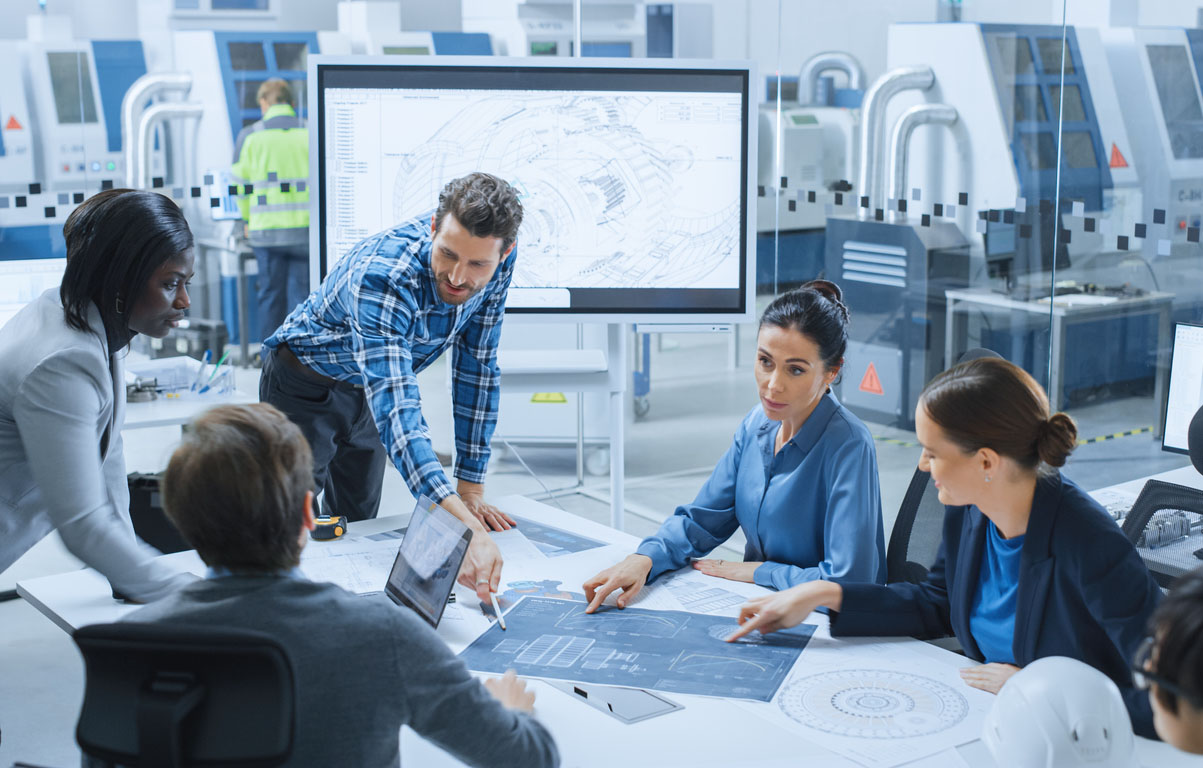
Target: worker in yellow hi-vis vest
[{"x": 271, "y": 157}]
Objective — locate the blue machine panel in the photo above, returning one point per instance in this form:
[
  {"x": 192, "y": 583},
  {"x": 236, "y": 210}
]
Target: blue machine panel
[
  {"x": 796, "y": 256},
  {"x": 249, "y": 58},
  {"x": 37, "y": 241},
  {"x": 670, "y": 651},
  {"x": 610, "y": 50},
  {"x": 462, "y": 44},
  {"x": 1027, "y": 76},
  {"x": 1195, "y": 38},
  {"x": 118, "y": 64},
  {"x": 659, "y": 30}
]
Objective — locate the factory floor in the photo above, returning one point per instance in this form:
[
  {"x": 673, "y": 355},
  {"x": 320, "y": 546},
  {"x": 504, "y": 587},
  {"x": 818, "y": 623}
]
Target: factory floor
[{"x": 697, "y": 399}]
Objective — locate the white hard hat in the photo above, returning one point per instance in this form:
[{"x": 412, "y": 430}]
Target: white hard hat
[{"x": 1059, "y": 713}]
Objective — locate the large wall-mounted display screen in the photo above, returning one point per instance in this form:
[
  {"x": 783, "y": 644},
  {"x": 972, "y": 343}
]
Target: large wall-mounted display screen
[{"x": 634, "y": 177}]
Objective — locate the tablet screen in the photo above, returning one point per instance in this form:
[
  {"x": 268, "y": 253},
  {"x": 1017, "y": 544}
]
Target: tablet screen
[{"x": 426, "y": 597}]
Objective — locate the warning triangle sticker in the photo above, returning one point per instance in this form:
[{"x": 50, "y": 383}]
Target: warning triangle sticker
[
  {"x": 548, "y": 397},
  {"x": 870, "y": 383},
  {"x": 1117, "y": 157},
  {"x": 12, "y": 124}
]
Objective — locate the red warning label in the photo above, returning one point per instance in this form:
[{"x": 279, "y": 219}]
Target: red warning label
[
  {"x": 12, "y": 124},
  {"x": 1117, "y": 157},
  {"x": 870, "y": 383}
]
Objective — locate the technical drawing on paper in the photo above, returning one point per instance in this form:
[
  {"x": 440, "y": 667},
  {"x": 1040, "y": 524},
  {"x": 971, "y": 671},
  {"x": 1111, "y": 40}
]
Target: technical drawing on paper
[
  {"x": 551, "y": 541},
  {"x": 873, "y": 704},
  {"x": 671, "y": 651},
  {"x": 619, "y": 190},
  {"x": 699, "y": 596},
  {"x": 555, "y": 542}
]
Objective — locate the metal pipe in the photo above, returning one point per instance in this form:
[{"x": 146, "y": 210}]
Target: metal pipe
[
  {"x": 578, "y": 28},
  {"x": 146, "y": 123},
  {"x": 872, "y": 125},
  {"x": 900, "y": 137},
  {"x": 144, "y": 88},
  {"x": 826, "y": 61}
]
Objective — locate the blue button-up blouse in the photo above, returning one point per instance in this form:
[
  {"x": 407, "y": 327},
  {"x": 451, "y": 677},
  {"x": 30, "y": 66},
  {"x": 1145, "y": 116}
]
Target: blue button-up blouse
[{"x": 810, "y": 511}]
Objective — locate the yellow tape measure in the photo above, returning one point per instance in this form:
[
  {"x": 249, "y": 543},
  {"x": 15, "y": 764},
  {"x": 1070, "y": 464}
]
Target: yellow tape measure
[{"x": 327, "y": 527}]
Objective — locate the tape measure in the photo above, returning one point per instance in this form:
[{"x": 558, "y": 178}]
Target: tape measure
[{"x": 328, "y": 527}]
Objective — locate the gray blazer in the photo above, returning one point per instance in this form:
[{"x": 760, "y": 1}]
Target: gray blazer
[{"x": 62, "y": 405}]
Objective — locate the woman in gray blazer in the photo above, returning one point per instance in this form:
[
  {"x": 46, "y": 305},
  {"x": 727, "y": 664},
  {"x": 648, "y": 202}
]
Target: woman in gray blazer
[{"x": 62, "y": 388}]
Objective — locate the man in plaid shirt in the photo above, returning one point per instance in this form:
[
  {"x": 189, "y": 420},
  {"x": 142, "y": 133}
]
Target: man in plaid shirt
[{"x": 344, "y": 364}]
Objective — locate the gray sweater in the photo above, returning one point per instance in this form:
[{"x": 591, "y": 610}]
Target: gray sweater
[{"x": 368, "y": 665}]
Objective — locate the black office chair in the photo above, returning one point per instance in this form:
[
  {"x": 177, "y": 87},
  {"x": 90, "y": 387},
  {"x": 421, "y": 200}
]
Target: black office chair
[
  {"x": 1151, "y": 532},
  {"x": 917, "y": 533},
  {"x": 184, "y": 695},
  {"x": 919, "y": 527}
]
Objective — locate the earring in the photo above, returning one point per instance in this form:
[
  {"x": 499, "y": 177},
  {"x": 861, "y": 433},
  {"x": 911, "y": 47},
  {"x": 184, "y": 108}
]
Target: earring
[
  {"x": 120, "y": 305},
  {"x": 987, "y": 478}
]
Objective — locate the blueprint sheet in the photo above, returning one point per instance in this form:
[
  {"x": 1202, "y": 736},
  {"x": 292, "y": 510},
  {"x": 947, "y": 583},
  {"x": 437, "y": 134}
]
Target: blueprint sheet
[
  {"x": 671, "y": 651},
  {"x": 551, "y": 541},
  {"x": 879, "y": 702}
]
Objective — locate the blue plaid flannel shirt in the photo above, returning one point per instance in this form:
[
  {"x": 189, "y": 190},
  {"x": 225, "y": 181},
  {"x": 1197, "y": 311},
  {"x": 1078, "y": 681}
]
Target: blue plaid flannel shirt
[{"x": 377, "y": 321}]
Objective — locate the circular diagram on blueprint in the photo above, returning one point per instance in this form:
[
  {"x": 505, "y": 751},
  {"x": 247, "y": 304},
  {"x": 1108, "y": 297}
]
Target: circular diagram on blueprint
[{"x": 873, "y": 704}]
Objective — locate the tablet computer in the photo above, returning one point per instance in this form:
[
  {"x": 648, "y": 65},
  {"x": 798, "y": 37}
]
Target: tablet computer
[{"x": 426, "y": 597}]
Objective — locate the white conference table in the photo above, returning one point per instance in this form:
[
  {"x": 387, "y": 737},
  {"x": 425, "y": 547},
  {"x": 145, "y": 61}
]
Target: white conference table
[
  {"x": 1188, "y": 476},
  {"x": 707, "y": 732},
  {"x": 177, "y": 411}
]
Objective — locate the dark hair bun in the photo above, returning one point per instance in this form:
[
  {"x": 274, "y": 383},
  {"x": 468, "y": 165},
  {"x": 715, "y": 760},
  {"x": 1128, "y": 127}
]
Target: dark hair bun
[
  {"x": 831, "y": 292},
  {"x": 827, "y": 288},
  {"x": 1056, "y": 439}
]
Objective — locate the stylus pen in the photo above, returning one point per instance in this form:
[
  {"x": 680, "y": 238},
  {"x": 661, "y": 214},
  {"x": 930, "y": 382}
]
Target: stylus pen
[{"x": 497, "y": 610}]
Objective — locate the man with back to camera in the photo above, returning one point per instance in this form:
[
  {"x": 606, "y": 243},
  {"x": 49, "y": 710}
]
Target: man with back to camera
[
  {"x": 343, "y": 365},
  {"x": 249, "y": 527}
]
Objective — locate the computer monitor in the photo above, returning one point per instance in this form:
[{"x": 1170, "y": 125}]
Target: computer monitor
[
  {"x": 634, "y": 175},
  {"x": 1186, "y": 387}
]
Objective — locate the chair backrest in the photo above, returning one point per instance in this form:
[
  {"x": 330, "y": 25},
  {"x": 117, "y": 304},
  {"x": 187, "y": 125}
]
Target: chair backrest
[
  {"x": 176, "y": 694},
  {"x": 918, "y": 531},
  {"x": 919, "y": 527},
  {"x": 1151, "y": 534}
]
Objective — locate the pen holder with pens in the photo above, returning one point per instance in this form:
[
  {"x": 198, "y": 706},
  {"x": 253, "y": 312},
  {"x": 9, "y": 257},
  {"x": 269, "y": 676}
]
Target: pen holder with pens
[{"x": 221, "y": 383}]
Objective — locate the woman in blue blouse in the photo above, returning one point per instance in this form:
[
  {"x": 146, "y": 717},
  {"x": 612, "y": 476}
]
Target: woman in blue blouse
[
  {"x": 800, "y": 477},
  {"x": 1030, "y": 566}
]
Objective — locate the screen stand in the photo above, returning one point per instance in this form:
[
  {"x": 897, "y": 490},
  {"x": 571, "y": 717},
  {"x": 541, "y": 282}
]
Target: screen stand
[{"x": 580, "y": 370}]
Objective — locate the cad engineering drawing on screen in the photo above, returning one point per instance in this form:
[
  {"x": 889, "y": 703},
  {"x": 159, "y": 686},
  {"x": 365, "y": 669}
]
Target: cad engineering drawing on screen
[{"x": 634, "y": 180}]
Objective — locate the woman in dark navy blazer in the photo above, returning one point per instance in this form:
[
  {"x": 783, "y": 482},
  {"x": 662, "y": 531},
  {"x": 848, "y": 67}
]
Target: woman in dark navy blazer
[{"x": 1030, "y": 565}]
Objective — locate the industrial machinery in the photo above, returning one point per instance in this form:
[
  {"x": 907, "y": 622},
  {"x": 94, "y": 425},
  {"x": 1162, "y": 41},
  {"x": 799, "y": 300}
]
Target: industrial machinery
[
  {"x": 60, "y": 142},
  {"x": 375, "y": 28},
  {"x": 978, "y": 192},
  {"x": 1159, "y": 72},
  {"x": 608, "y": 28},
  {"x": 806, "y": 147}
]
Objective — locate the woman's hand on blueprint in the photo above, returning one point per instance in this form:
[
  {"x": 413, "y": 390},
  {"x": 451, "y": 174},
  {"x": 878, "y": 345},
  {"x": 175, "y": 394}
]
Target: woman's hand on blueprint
[
  {"x": 787, "y": 608},
  {"x": 629, "y": 575}
]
